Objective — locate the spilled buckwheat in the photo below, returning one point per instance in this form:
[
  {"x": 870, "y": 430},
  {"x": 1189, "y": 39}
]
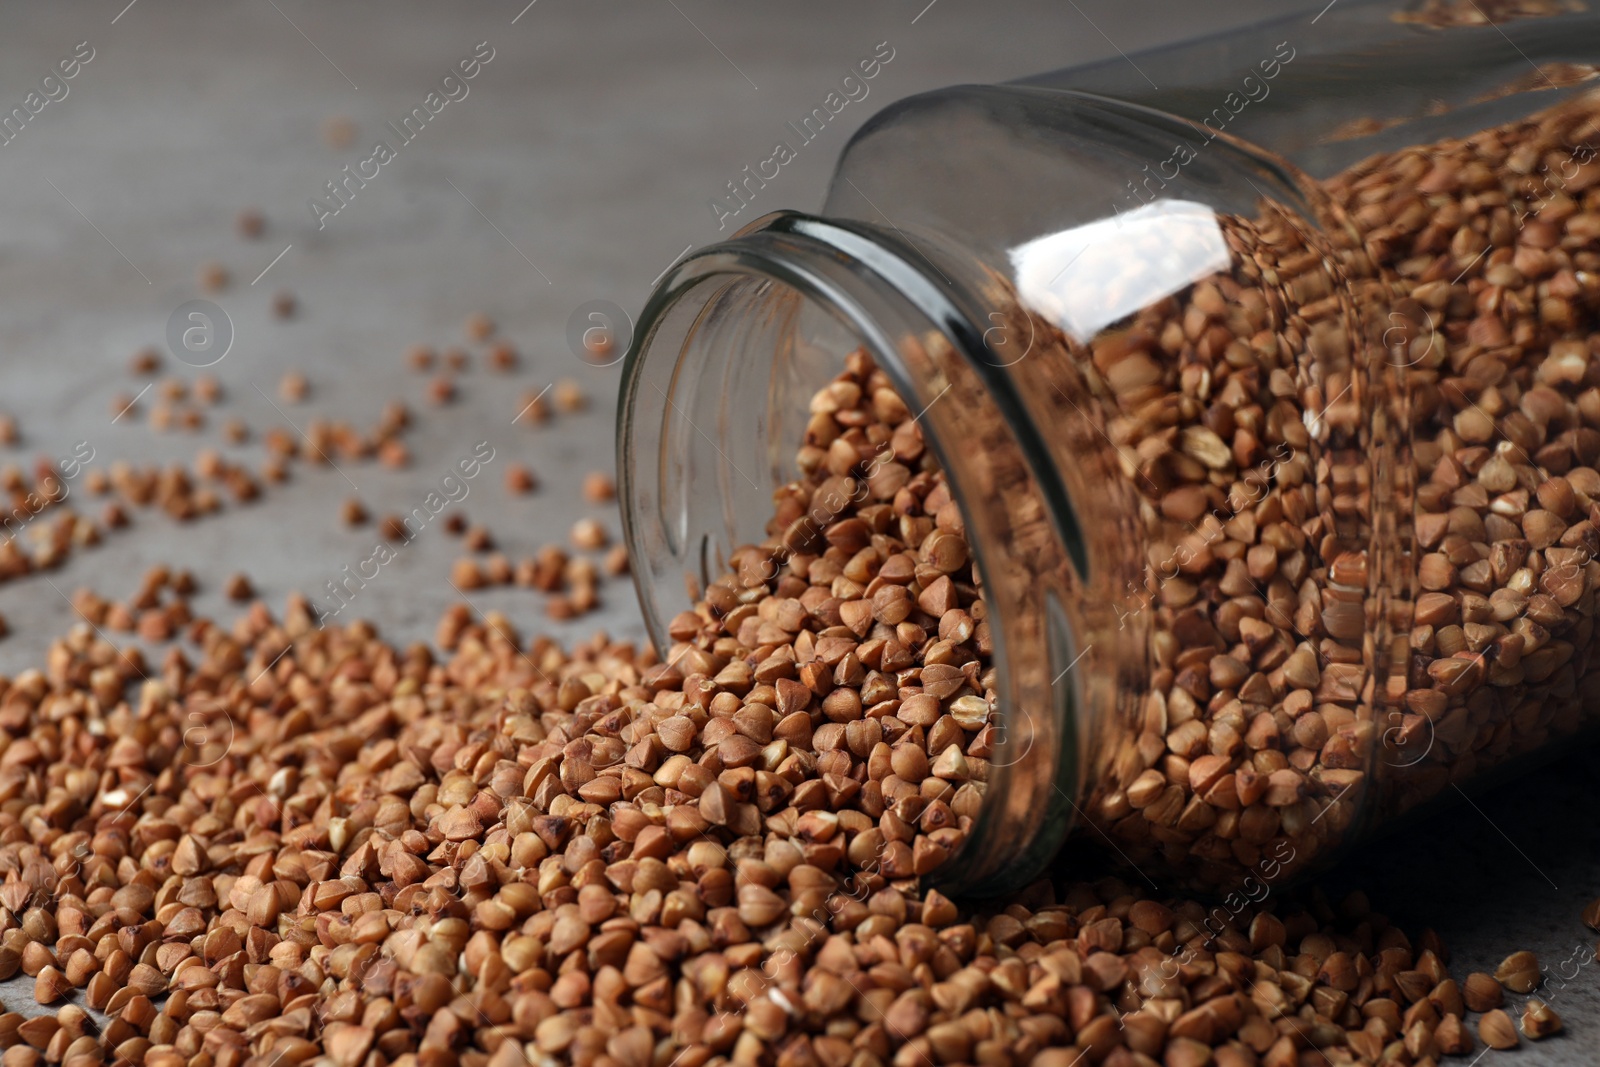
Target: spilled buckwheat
[
  {"x": 292, "y": 843},
  {"x": 307, "y": 843}
]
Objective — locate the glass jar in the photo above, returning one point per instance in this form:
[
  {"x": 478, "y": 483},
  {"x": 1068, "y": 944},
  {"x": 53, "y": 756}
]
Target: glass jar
[{"x": 1268, "y": 398}]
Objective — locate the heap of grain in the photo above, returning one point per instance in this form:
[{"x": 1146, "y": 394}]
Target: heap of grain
[
  {"x": 309, "y": 842},
  {"x": 305, "y": 842}
]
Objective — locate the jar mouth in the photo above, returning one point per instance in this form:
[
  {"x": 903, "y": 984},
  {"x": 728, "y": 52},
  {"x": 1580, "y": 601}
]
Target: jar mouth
[{"x": 697, "y": 461}]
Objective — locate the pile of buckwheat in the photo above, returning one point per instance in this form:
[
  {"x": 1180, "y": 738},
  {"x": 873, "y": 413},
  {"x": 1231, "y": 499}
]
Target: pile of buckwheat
[
  {"x": 292, "y": 844},
  {"x": 305, "y": 842}
]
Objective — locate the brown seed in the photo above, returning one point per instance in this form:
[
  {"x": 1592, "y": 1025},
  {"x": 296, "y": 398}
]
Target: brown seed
[
  {"x": 519, "y": 479},
  {"x": 589, "y": 534},
  {"x": 213, "y": 277},
  {"x": 1497, "y": 1031},
  {"x": 146, "y": 361},
  {"x": 479, "y": 327},
  {"x": 569, "y": 396},
  {"x": 677, "y": 733},
  {"x": 466, "y": 574},
  {"x": 951, "y": 765},
  {"x": 1542, "y": 528},
  {"x": 284, "y": 304},
  {"x": 347, "y": 1044},
  {"x": 1539, "y": 1020},
  {"x": 1452, "y": 1036},
  {"x": 1591, "y": 914},
  {"x": 1481, "y": 992},
  {"x": 147, "y": 980},
  {"x": 1187, "y": 1052},
  {"x": 263, "y": 910},
  {"x": 598, "y": 346},
  {"x": 459, "y": 824},
  {"x": 338, "y": 132},
  {"x": 503, "y": 356},
  {"x": 37, "y": 1032},
  {"x": 1518, "y": 972},
  {"x": 353, "y": 512},
  {"x": 81, "y": 966},
  {"x": 293, "y": 387},
  {"x": 497, "y": 569},
  {"x": 50, "y": 985},
  {"x": 250, "y": 223},
  {"x": 1186, "y": 504},
  {"x": 394, "y": 454},
  {"x": 533, "y": 408},
  {"x": 420, "y": 357},
  {"x": 759, "y": 906}
]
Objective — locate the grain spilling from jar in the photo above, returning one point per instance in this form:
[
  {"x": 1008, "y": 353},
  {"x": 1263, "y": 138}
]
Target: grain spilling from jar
[
  {"x": 305, "y": 842},
  {"x": 288, "y": 842}
]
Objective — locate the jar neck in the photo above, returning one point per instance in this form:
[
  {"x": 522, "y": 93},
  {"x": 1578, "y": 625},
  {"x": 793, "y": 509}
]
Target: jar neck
[{"x": 727, "y": 351}]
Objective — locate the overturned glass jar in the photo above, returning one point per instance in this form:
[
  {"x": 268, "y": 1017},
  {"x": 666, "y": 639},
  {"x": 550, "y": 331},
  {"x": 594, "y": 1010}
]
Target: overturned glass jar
[{"x": 1269, "y": 399}]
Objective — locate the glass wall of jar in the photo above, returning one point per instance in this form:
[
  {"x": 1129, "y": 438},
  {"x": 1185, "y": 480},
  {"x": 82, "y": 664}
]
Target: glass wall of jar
[{"x": 1281, "y": 488}]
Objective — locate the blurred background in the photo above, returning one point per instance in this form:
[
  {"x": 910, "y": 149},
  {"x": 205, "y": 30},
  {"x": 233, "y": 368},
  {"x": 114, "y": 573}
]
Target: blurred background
[{"x": 579, "y": 160}]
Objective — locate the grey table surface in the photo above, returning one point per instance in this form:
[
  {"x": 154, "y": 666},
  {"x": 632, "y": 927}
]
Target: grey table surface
[{"x": 577, "y": 168}]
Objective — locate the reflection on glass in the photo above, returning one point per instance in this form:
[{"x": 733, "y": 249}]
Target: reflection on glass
[{"x": 1088, "y": 277}]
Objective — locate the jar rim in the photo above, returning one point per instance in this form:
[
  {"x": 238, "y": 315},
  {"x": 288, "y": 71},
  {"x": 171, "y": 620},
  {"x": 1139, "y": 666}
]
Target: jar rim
[{"x": 866, "y": 281}]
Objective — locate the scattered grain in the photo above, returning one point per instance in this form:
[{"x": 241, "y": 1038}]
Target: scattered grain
[
  {"x": 598, "y": 487},
  {"x": 338, "y": 132},
  {"x": 213, "y": 277},
  {"x": 479, "y": 327},
  {"x": 1496, "y": 1030},
  {"x": 1539, "y": 1020},
  {"x": 293, "y": 387},
  {"x": 145, "y": 362},
  {"x": 420, "y": 357},
  {"x": 589, "y": 534},
  {"x": 250, "y": 223},
  {"x": 519, "y": 479},
  {"x": 503, "y": 356},
  {"x": 1518, "y": 972},
  {"x": 569, "y": 396}
]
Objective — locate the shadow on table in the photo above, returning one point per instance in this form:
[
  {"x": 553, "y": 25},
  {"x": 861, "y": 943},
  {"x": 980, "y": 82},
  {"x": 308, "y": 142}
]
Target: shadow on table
[
  {"x": 1526, "y": 848},
  {"x": 1525, "y": 851}
]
